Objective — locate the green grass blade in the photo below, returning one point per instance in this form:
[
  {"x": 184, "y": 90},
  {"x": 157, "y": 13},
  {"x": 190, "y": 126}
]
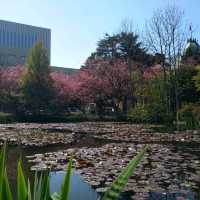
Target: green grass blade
[
  {"x": 29, "y": 191},
  {"x": 45, "y": 190},
  {"x": 6, "y": 191},
  {"x": 118, "y": 185},
  {"x": 35, "y": 186},
  {"x": 38, "y": 188},
  {"x": 2, "y": 169},
  {"x": 22, "y": 193},
  {"x": 66, "y": 185}
]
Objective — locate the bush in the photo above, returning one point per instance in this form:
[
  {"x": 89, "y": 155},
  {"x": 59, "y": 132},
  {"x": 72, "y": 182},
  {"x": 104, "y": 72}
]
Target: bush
[
  {"x": 6, "y": 117},
  {"x": 157, "y": 113},
  {"x": 150, "y": 113},
  {"x": 138, "y": 114},
  {"x": 190, "y": 114}
]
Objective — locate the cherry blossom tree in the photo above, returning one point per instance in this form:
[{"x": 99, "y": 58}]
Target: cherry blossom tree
[
  {"x": 10, "y": 88},
  {"x": 108, "y": 80},
  {"x": 10, "y": 78}
]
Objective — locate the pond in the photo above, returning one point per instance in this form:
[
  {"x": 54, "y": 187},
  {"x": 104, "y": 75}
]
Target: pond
[
  {"x": 170, "y": 170},
  {"x": 79, "y": 187}
]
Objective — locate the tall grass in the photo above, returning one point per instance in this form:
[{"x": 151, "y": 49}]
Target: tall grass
[{"x": 41, "y": 186}]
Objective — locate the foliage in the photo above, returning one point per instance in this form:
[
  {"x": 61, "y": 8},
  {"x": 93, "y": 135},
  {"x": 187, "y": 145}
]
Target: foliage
[
  {"x": 9, "y": 79},
  {"x": 41, "y": 185},
  {"x": 118, "y": 185},
  {"x": 36, "y": 83},
  {"x": 66, "y": 89},
  {"x": 105, "y": 82},
  {"x": 138, "y": 114},
  {"x": 148, "y": 87},
  {"x": 6, "y": 117},
  {"x": 189, "y": 113},
  {"x": 150, "y": 113},
  {"x": 123, "y": 45},
  {"x": 197, "y": 79},
  {"x": 187, "y": 92},
  {"x": 10, "y": 88}
]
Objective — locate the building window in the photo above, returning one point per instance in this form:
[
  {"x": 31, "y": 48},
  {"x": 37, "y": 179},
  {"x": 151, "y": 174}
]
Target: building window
[
  {"x": 0, "y": 38},
  {"x": 5, "y": 39},
  {"x": 11, "y": 39},
  {"x": 25, "y": 41},
  {"x": 8, "y": 41},
  {"x": 15, "y": 40},
  {"x": 21, "y": 40},
  {"x": 29, "y": 40}
]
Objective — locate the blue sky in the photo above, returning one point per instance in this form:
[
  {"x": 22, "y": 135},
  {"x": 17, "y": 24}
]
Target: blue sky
[{"x": 77, "y": 25}]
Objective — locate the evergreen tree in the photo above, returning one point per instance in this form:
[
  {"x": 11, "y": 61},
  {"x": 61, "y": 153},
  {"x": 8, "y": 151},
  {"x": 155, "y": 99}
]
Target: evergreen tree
[
  {"x": 37, "y": 86},
  {"x": 124, "y": 45}
]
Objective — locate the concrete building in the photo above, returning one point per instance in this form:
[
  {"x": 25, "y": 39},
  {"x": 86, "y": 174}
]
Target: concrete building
[{"x": 17, "y": 39}]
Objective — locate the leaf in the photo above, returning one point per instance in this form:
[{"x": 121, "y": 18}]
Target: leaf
[
  {"x": 2, "y": 169},
  {"x": 29, "y": 191},
  {"x": 22, "y": 193},
  {"x": 66, "y": 185},
  {"x": 35, "y": 186},
  {"x": 45, "y": 189},
  {"x": 118, "y": 185},
  {"x": 6, "y": 192}
]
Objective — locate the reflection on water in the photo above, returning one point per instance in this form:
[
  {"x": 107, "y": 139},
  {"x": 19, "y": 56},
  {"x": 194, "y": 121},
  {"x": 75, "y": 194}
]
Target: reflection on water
[
  {"x": 79, "y": 189},
  {"x": 171, "y": 196}
]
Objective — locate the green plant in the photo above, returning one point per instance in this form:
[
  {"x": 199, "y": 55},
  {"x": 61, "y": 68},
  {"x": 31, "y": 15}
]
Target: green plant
[
  {"x": 41, "y": 186},
  {"x": 138, "y": 114},
  {"x": 118, "y": 185},
  {"x": 5, "y": 117},
  {"x": 189, "y": 113},
  {"x": 41, "y": 189},
  {"x": 36, "y": 83}
]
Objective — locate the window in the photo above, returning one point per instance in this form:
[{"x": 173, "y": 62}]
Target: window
[
  {"x": 25, "y": 41},
  {"x": 11, "y": 39},
  {"x": 22, "y": 40},
  {"x": 8, "y": 39},
  {"x": 0, "y": 38},
  {"x": 29, "y": 40},
  {"x": 4, "y": 38},
  {"x": 15, "y": 40},
  {"x": 32, "y": 41}
]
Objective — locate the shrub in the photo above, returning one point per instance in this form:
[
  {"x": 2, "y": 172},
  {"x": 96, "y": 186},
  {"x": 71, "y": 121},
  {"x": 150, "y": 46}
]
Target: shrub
[
  {"x": 150, "y": 113},
  {"x": 5, "y": 117},
  {"x": 190, "y": 114},
  {"x": 157, "y": 113},
  {"x": 138, "y": 114}
]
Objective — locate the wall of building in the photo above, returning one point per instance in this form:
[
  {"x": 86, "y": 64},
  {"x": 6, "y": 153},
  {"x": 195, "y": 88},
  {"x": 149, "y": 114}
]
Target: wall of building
[{"x": 16, "y": 40}]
